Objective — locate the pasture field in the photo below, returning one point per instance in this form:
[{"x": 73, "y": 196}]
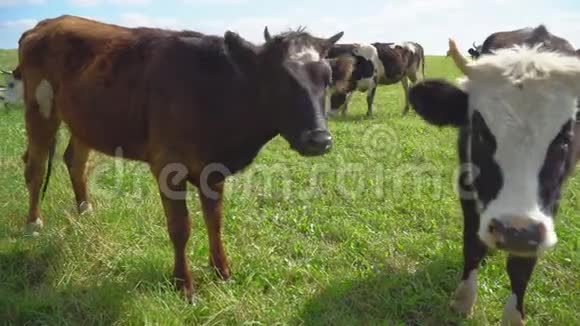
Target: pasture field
[{"x": 369, "y": 234}]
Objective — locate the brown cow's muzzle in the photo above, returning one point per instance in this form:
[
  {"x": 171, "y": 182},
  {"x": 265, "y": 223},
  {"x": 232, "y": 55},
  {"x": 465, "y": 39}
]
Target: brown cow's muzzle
[{"x": 314, "y": 142}]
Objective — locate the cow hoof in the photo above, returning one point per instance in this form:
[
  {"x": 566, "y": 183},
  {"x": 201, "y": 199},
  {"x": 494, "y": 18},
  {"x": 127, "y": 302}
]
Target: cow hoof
[
  {"x": 224, "y": 274},
  {"x": 190, "y": 297},
  {"x": 33, "y": 228},
  {"x": 223, "y": 271},
  {"x": 465, "y": 295},
  {"x": 85, "y": 208},
  {"x": 511, "y": 315}
]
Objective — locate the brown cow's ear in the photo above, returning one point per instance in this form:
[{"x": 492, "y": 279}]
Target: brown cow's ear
[
  {"x": 440, "y": 103},
  {"x": 329, "y": 42},
  {"x": 243, "y": 53}
]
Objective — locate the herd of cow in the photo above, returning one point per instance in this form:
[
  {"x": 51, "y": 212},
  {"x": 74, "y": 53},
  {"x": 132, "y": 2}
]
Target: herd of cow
[{"x": 182, "y": 98}]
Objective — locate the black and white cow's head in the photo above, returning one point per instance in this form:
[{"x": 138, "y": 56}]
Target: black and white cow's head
[{"x": 517, "y": 108}]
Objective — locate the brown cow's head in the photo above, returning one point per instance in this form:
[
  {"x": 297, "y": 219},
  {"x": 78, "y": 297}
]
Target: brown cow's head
[{"x": 292, "y": 80}]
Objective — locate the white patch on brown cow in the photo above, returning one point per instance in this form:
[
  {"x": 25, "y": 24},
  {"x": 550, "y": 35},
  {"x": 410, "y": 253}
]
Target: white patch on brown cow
[
  {"x": 304, "y": 54},
  {"x": 466, "y": 294},
  {"x": 44, "y": 95}
]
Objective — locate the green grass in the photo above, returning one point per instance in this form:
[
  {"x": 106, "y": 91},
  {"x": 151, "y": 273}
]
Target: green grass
[{"x": 368, "y": 234}]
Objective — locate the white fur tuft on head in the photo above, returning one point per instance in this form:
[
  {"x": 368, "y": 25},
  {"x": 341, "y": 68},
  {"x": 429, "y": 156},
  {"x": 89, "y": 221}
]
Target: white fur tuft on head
[{"x": 523, "y": 63}]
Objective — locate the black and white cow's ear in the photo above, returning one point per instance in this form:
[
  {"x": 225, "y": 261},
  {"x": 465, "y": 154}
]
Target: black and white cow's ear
[
  {"x": 243, "y": 53},
  {"x": 440, "y": 103}
]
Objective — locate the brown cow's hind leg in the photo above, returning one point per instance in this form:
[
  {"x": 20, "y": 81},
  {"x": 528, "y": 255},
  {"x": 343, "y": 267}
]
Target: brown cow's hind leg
[
  {"x": 41, "y": 135},
  {"x": 212, "y": 214},
  {"x": 75, "y": 158}
]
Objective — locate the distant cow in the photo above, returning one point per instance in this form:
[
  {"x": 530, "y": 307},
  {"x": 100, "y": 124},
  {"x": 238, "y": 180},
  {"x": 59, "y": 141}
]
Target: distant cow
[
  {"x": 364, "y": 73},
  {"x": 396, "y": 63},
  {"x": 519, "y": 140},
  {"x": 11, "y": 92},
  {"x": 400, "y": 62},
  {"x": 196, "y": 108}
]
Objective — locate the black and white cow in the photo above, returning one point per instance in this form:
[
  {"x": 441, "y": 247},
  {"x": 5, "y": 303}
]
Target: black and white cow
[
  {"x": 364, "y": 73},
  {"x": 519, "y": 140},
  {"x": 12, "y": 91},
  {"x": 399, "y": 62},
  {"x": 380, "y": 64}
]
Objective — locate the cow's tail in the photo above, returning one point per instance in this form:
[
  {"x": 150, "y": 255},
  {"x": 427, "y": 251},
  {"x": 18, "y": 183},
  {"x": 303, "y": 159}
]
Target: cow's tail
[{"x": 51, "y": 152}]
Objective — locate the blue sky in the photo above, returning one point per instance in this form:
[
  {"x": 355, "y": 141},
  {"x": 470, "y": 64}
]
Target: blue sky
[{"x": 429, "y": 22}]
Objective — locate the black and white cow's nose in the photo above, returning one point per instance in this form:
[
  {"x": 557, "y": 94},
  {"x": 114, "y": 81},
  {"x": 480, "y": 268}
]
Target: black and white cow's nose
[{"x": 517, "y": 235}]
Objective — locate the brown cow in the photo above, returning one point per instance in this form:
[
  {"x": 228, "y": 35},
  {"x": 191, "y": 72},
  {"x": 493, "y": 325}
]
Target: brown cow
[{"x": 196, "y": 108}]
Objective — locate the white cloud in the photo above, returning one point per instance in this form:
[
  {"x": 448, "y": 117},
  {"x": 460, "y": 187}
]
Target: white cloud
[
  {"x": 428, "y": 22},
  {"x": 88, "y": 3},
  {"x": 20, "y": 24},
  {"x": 6, "y": 3},
  {"x": 213, "y": 2}
]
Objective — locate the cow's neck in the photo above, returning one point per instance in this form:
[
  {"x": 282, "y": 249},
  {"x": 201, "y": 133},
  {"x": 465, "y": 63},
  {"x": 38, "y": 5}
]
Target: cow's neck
[{"x": 244, "y": 132}]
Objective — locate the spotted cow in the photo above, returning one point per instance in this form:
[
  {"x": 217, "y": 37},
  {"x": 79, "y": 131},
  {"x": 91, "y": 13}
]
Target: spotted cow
[
  {"x": 516, "y": 111},
  {"x": 364, "y": 73}
]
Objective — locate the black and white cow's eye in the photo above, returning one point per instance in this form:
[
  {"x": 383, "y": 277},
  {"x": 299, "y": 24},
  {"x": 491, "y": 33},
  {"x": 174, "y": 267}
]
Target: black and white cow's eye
[
  {"x": 485, "y": 138},
  {"x": 564, "y": 146}
]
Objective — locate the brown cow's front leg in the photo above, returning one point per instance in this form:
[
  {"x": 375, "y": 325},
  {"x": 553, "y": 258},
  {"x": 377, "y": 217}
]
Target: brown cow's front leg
[
  {"x": 519, "y": 270},
  {"x": 173, "y": 195},
  {"x": 75, "y": 158},
  {"x": 212, "y": 213}
]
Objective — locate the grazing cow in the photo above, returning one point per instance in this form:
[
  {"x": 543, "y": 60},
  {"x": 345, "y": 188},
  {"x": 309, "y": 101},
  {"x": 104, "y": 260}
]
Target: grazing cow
[
  {"x": 364, "y": 73},
  {"x": 194, "y": 107},
  {"x": 399, "y": 63},
  {"x": 519, "y": 140}
]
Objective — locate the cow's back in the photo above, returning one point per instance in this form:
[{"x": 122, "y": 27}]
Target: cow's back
[
  {"x": 338, "y": 50},
  {"x": 528, "y": 37},
  {"x": 393, "y": 63},
  {"x": 113, "y": 86}
]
